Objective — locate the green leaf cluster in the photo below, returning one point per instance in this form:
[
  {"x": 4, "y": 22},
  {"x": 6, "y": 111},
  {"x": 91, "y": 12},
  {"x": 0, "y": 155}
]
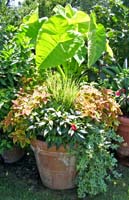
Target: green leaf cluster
[
  {"x": 6, "y": 95},
  {"x": 16, "y": 61},
  {"x": 115, "y": 18}
]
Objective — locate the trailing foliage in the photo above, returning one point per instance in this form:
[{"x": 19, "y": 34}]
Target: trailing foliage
[{"x": 95, "y": 163}]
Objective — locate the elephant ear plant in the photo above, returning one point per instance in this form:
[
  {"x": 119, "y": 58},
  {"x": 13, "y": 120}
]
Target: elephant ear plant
[
  {"x": 69, "y": 41},
  {"x": 67, "y": 32}
]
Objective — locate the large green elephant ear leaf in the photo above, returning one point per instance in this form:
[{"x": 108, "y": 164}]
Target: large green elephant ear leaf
[
  {"x": 30, "y": 26},
  {"x": 79, "y": 19},
  {"x": 66, "y": 12},
  {"x": 96, "y": 41},
  {"x": 56, "y": 43}
]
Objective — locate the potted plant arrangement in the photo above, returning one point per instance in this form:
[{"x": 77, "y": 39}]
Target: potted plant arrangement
[
  {"x": 85, "y": 130},
  {"x": 70, "y": 128},
  {"x": 71, "y": 135}
]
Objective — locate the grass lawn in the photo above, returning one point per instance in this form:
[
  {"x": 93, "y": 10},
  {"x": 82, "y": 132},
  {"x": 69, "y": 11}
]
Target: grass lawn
[{"x": 21, "y": 181}]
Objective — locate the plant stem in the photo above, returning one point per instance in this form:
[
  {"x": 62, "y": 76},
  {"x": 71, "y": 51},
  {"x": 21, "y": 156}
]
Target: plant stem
[{"x": 61, "y": 71}]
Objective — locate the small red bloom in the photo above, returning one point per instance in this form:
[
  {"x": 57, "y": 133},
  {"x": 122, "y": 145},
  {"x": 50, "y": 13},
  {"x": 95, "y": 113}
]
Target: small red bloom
[
  {"x": 118, "y": 93},
  {"x": 73, "y": 127}
]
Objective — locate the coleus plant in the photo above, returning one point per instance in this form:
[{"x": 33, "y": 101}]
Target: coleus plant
[
  {"x": 98, "y": 104},
  {"x": 16, "y": 121}
]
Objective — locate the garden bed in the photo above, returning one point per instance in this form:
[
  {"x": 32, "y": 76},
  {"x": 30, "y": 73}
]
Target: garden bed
[{"x": 21, "y": 181}]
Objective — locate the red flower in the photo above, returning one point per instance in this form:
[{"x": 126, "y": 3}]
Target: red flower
[
  {"x": 118, "y": 93},
  {"x": 73, "y": 127}
]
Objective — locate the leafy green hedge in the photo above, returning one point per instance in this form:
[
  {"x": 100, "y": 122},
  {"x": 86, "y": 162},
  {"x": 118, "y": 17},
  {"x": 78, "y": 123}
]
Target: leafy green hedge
[{"x": 115, "y": 18}]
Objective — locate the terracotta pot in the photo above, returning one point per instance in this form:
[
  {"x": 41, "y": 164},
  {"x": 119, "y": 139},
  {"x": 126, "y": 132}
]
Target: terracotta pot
[
  {"x": 57, "y": 168},
  {"x": 13, "y": 155},
  {"x": 123, "y": 130}
]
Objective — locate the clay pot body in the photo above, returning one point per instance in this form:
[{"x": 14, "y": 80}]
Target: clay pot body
[
  {"x": 12, "y": 155},
  {"x": 123, "y": 130},
  {"x": 56, "y": 167}
]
